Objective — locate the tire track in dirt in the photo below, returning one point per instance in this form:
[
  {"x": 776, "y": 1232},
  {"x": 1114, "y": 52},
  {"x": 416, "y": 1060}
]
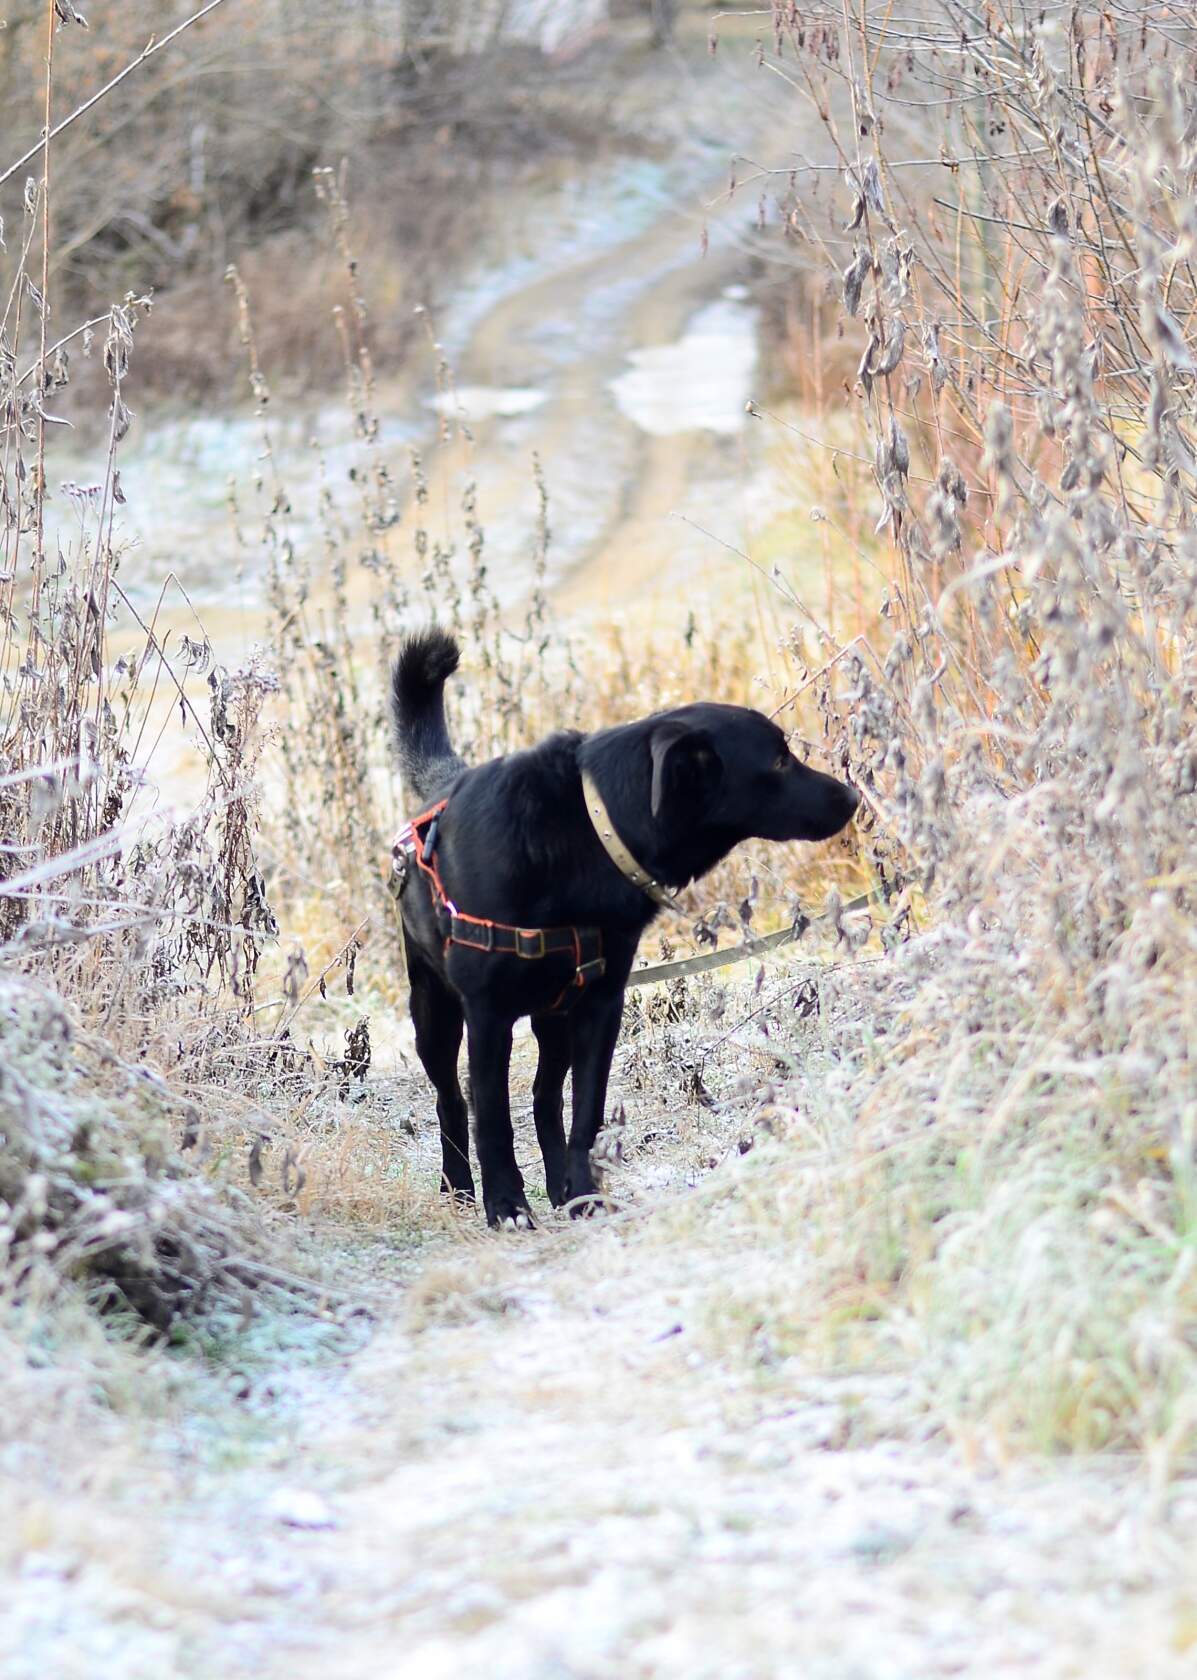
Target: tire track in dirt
[{"x": 612, "y": 485}]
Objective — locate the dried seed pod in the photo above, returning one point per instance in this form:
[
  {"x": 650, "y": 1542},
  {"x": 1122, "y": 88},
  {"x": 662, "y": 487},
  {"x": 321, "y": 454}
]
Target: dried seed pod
[
  {"x": 936, "y": 366},
  {"x": 854, "y": 277},
  {"x": 891, "y": 355}
]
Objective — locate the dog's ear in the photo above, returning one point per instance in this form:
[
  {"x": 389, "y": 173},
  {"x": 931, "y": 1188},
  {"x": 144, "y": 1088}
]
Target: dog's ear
[{"x": 686, "y": 767}]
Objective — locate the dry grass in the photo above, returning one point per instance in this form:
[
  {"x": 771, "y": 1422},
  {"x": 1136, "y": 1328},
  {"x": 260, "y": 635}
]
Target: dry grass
[{"x": 987, "y": 1181}]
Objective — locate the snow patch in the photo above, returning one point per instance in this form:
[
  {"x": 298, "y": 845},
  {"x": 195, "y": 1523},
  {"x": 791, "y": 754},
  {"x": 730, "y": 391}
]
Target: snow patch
[{"x": 700, "y": 383}]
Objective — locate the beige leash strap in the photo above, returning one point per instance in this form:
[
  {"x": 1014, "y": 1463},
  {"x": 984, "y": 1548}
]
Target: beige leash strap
[{"x": 737, "y": 953}]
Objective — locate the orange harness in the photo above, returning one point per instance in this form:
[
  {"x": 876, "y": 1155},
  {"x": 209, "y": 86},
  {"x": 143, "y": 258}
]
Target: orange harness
[{"x": 416, "y": 841}]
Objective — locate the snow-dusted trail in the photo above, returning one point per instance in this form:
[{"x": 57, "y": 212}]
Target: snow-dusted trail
[
  {"x": 547, "y": 1463},
  {"x": 564, "y": 1484}
]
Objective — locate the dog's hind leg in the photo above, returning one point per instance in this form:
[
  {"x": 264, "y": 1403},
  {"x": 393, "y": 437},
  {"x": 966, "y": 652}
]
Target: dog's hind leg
[
  {"x": 553, "y": 1041},
  {"x": 595, "y": 1032},
  {"x": 439, "y": 1022},
  {"x": 489, "y": 1044}
]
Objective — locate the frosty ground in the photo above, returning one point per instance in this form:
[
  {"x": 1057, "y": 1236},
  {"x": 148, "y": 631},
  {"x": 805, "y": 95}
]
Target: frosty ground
[{"x": 543, "y": 1456}]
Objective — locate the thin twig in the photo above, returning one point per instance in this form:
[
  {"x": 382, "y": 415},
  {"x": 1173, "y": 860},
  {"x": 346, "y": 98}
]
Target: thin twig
[{"x": 151, "y": 48}]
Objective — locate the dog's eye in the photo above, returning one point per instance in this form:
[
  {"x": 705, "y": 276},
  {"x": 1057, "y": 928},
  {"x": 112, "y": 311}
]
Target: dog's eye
[{"x": 783, "y": 761}]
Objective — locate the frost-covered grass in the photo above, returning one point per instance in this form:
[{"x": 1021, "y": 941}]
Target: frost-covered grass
[
  {"x": 964, "y": 1209},
  {"x": 986, "y": 1176}
]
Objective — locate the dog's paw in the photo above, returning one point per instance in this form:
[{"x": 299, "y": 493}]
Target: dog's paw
[{"x": 509, "y": 1213}]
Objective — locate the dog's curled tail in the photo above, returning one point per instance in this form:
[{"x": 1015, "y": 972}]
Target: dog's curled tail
[{"x": 427, "y": 659}]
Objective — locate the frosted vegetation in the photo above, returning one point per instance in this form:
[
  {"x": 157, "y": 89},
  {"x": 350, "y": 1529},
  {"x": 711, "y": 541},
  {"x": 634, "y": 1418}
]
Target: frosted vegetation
[{"x": 899, "y": 1309}]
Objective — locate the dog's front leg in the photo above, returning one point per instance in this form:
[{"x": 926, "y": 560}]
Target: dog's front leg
[
  {"x": 595, "y": 1032},
  {"x": 489, "y": 1042}
]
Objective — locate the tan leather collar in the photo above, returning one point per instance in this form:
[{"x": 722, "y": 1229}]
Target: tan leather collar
[{"x": 617, "y": 851}]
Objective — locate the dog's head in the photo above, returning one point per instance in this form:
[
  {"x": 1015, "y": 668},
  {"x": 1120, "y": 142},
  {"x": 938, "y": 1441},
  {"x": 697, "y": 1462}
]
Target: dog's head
[{"x": 728, "y": 768}]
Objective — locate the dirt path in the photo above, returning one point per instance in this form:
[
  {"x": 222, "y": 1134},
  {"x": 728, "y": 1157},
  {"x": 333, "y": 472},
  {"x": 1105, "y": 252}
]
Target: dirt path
[
  {"x": 571, "y": 1486},
  {"x": 616, "y": 485},
  {"x": 608, "y": 335},
  {"x": 549, "y": 1464}
]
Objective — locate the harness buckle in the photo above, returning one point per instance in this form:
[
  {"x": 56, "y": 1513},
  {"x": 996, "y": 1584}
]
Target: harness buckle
[
  {"x": 592, "y": 970},
  {"x": 402, "y": 857},
  {"x": 540, "y": 949}
]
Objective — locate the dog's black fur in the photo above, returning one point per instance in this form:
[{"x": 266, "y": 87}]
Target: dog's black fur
[{"x": 516, "y": 845}]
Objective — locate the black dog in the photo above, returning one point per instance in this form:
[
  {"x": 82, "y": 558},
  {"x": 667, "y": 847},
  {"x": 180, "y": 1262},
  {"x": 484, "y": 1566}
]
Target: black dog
[{"x": 526, "y": 893}]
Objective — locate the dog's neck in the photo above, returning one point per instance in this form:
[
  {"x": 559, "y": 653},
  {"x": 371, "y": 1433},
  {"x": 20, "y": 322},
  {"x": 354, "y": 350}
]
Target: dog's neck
[{"x": 673, "y": 854}]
